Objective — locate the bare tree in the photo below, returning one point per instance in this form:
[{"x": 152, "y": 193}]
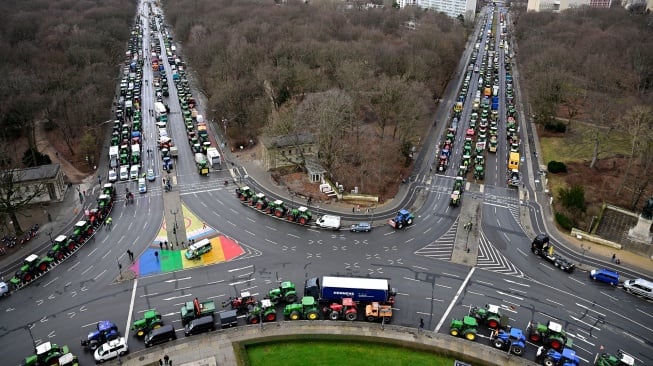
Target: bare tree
[{"x": 637, "y": 123}]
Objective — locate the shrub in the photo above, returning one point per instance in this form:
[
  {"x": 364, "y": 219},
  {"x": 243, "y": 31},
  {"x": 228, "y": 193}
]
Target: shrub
[
  {"x": 555, "y": 167},
  {"x": 564, "y": 221},
  {"x": 555, "y": 126},
  {"x": 573, "y": 199}
]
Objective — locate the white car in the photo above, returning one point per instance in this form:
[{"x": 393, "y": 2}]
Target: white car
[
  {"x": 113, "y": 176},
  {"x": 124, "y": 173},
  {"x": 111, "y": 349}
]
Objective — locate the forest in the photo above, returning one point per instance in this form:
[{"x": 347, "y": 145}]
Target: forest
[{"x": 360, "y": 80}]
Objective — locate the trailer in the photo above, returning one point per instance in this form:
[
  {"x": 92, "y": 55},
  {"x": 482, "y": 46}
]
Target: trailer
[
  {"x": 213, "y": 157},
  {"x": 365, "y": 290}
]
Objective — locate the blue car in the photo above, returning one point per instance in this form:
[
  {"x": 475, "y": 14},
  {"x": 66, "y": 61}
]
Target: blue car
[
  {"x": 605, "y": 275},
  {"x": 361, "y": 227}
]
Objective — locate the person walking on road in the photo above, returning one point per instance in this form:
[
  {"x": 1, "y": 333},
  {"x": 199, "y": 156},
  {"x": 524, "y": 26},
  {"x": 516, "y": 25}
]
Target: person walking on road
[{"x": 421, "y": 325}]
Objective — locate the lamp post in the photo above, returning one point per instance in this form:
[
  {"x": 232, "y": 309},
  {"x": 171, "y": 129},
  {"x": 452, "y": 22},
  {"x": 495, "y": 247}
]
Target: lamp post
[
  {"x": 50, "y": 235},
  {"x": 29, "y": 329},
  {"x": 174, "y": 228}
]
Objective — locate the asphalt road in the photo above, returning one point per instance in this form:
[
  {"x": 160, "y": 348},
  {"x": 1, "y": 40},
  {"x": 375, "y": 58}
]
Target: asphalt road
[{"x": 64, "y": 305}]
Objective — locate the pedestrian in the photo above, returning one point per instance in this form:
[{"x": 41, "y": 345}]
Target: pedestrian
[
  {"x": 84, "y": 193},
  {"x": 614, "y": 256},
  {"x": 56, "y": 153},
  {"x": 618, "y": 261},
  {"x": 166, "y": 246},
  {"x": 160, "y": 362},
  {"x": 161, "y": 245},
  {"x": 166, "y": 243},
  {"x": 204, "y": 225},
  {"x": 353, "y": 208},
  {"x": 421, "y": 324},
  {"x": 156, "y": 255},
  {"x": 183, "y": 244},
  {"x": 166, "y": 359}
]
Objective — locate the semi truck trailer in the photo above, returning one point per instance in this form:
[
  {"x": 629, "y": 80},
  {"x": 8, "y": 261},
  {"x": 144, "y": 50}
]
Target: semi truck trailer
[{"x": 366, "y": 290}]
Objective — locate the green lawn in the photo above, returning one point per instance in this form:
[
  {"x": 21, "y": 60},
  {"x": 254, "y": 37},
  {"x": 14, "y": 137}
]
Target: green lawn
[{"x": 351, "y": 353}]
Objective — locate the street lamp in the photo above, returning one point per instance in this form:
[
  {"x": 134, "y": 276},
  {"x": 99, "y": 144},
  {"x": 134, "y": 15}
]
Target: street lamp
[
  {"x": 50, "y": 235},
  {"x": 174, "y": 228},
  {"x": 29, "y": 329}
]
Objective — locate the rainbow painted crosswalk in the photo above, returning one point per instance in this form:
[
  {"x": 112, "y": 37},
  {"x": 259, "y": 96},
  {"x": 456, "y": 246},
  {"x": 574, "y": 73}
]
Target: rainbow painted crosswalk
[{"x": 173, "y": 258}]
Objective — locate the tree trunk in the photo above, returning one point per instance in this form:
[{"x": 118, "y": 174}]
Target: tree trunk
[
  {"x": 15, "y": 223},
  {"x": 595, "y": 152}
]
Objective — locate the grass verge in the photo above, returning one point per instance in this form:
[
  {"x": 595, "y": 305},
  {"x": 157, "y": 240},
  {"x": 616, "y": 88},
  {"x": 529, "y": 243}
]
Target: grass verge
[{"x": 296, "y": 353}]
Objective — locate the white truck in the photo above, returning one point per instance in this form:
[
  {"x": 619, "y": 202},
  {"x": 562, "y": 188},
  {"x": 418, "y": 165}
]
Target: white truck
[
  {"x": 213, "y": 157},
  {"x": 329, "y": 222},
  {"x": 160, "y": 110},
  {"x": 113, "y": 156}
]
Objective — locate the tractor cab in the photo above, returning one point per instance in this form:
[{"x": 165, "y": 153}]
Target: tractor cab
[{"x": 109, "y": 189}]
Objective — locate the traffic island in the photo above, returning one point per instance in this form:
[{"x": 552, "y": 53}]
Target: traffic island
[{"x": 465, "y": 249}]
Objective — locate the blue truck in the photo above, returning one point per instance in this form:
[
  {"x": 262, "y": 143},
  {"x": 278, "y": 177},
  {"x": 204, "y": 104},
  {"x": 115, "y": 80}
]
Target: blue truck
[
  {"x": 495, "y": 103},
  {"x": 365, "y": 290}
]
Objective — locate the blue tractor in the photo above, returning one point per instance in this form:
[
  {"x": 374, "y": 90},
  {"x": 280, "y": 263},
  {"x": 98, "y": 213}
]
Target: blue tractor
[
  {"x": 403, "y": 218},
  {"x": 104, "y": 332},
  {"x": 513, "y": 340},
  {"x": 554, "y": 358}
]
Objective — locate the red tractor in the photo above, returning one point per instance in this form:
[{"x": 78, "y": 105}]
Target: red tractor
[
  {"x": 345, "y": 310},
  {"x": 242, "y": 304}
]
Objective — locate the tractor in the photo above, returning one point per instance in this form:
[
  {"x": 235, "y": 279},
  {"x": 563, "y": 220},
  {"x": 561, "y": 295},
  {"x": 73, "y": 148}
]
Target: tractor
[
  {"x": 60, "y": 247},
  {"x": 490, "y": 315},
  {"x": 259, "y": 201},
  {"x": 244, "y": 193},
  {"x": 465, "y": 328},
  {"x": 459, "y": 184},
  {"x": 82, "y": 231},
  {"x": 32, "y": 266},
  {"x": 286, "y": 293},
  {"x": 549, "y": 334},
  {"x": 346, "y": 309},
  {"x": 620, "y": 359},
  {"x": 45, "y": 354},
  {"x": 375, "y": 312},
  {"x": 552, "y": 357},
  {"x": 110, "y": 190},
  {"x": 104, "y": 332},
  {"x": 151, "y": 320},
  {"x": 263, "y": 311},
  {"x": 512, "y": 340},
  {"x": 306, "y": 310},
  {"x": 455, "y": 198},
  {"x": 276, "y": 208},
  {"x": 242, "y": 303},
  {"x": 403, "y": 218},
  {"x": 96, "y": 216},
  {"x": 300, "y": 215},
  {"x": 479, "y": 172}
]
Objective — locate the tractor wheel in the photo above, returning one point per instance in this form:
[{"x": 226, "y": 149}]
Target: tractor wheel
[
  {"x": 290, "y": 218},
  {"x": 58, "y": 256},
  {"x": 556, "y": 344},
  {"x": 252, "y": 319},
  {"x": 277, "y": 213},
  {"x": 291, "y": 298},
  {"x": 259, "y": 206},
  {"x": 271, "y": 317},
  {"x": 93, "y": 345},
  {"x": 43, "y": 267},
  {"x": 493, "y": 323},
  {"x": 454, "y": 332},
  {"x": 294, "y": 315},
  {"x": 409, "y": 222},
  {"x": 549, "y": 362},
  {"x": 470, "y": 336},
  {"x": 498, "y": 343},
  {"x": 386, "y": 319},
  {"x": 351, "y": 316},
  {"x": 140, "y": 333},
  {"x": 302, "y": 221},
  {"x": 156, "y": 326},
  {"x": 275, "y": 300},
  {"x": 312, "y": 315},
  {"x": 71, "y": 246},
  {"x": 27, "y": 277},
  {"x": 517, "y": 350},
  {"x": 371, "y": 318},
  {"x": 400, "y": 225},
  {"x": 534, "y": 337},
  {"x": 334, "y": 315}
]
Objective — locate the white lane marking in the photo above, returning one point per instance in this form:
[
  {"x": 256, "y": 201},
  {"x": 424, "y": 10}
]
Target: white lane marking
[
  {"x": 586, "y": 323},
  {"x": 131, "y": 309},
  {"x": 611, "y": 297},
  {"x": 454, "y": 300},
  {"x": 241, "y": 268},
  {"x": 586, "y": 308},
  {"x": 178, "y": 279},
  {"x": 510, "y": 295}
]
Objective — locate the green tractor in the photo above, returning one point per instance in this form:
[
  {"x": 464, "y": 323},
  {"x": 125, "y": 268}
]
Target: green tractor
[
  {"x": 46, "y": 354},
  {"x": 300, "y": 215},
  {"x": 124, "y": 155},
  {"x": 109, "y": 189},
  {"x": 490, "y": 315},
  {"x": 464, "y": 328},
  {"x": 32, "y": 266},
  {"x": 104, "y": 202},
  {"x": 306, "y": 310},
  {"x": 479, "y": 172},
  {"x": 259, "y": 201},
  {"x": 244, "y": 193},
  {"x": 82, "y": 231},
  {"x": 263, "y": 311},
  {"x": 286, "y": 293},
  {"x": 550, "y": 335},
  {"x": 115, "y": 138},
  {"x": 276, "y": 208},
  {"x": 455, "y": 198},
  {"x": 60, "y": 247},
  {"x": 620, "y": 359},
  {"x": 459, "y": 184},
  {"x": 151, "y": 320}
]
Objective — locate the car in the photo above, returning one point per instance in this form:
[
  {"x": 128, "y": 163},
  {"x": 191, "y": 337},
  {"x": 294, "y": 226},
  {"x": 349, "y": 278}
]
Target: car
[
  {"x": 4, "y": 289},
  {"x": 638, "y": 286},
  {"x": 605, "y": 275},
  {"x": 142, "y": 186},
  {"x": 112, "y": 175},
  {"x": 150, "y": 175},
  {"x": 124, "y": 173},
  {"x": 112, "y": 349},
  {"x": 361, "y": 227}
]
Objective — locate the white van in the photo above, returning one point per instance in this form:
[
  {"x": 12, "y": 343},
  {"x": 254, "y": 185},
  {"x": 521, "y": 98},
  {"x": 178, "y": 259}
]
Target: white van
[
  {"x": 133, "y": 172},
  {"x": 124, "y": 173},
  {"x": 640, "y": 287},
  {"x": 142, "y": 186}
]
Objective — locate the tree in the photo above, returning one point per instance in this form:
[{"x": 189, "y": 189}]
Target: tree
[
  {"x": 573, "y": 198},
  {"x": 637, "y": 123},
  {"x": 15, "y": 197}
]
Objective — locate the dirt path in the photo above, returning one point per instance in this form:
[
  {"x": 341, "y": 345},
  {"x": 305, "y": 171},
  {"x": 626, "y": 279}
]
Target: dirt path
[{"x": 73, "y": 174}]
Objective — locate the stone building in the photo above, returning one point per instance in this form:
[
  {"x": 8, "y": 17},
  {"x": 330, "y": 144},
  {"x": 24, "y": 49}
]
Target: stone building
[
  {"x": 289, "y": 150},
  {"x": 48, "y": 178}
]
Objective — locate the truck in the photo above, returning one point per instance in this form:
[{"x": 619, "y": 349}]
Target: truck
[
  {"x": 329, "y": 222},
  {"x": 113, "y": 156},
  {"x": 213, "y": 157},
  {"x": 364, "y": 290},
  {"x": 174, "y": 151},
  {"x": 160, "y": 112},
  {"x": 541, "y": 246},
  {"x": 513, "y": 161},
  {"x": 196, "y": 309},
  {"x": 403, "y": 218},
  {"x": 202, "y": 166}
]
